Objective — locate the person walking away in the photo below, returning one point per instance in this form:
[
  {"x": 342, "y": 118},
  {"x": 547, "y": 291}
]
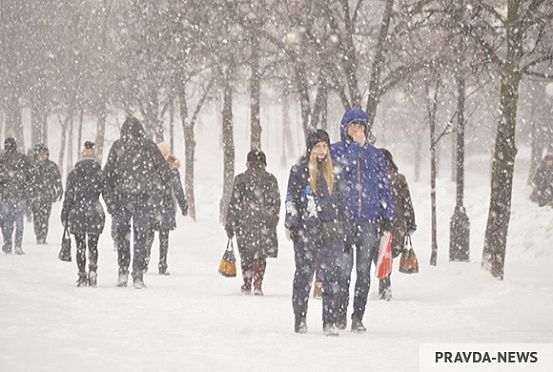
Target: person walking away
[
  {"x": 314, "y": 218},
  {"x": 369, "y": 208},
  {"x": 252, "y": 215},
  {"x": 404, "y": 218},
  {"x": 16, "y": 176},
  {"x": 542, "y": 182},
  {"x": 133, "y": 170},
  {"x": 164, "y": 212},
  {"x": 82, "y": 213},
  {"x": 48, "y": 189}
]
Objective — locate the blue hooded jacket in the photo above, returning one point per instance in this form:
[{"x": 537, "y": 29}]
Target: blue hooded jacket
[{"x": 364, "y": 173}]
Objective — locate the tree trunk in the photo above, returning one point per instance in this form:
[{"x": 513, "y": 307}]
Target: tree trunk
[
  {"x": 537, "y": 144},
  {"x": 287, "y": 140},
  {"x": 172, "y": 125},
  {"x": 101, "y": 130},
  {"x": 38, "y": 118},
  {"x": 303, "y": 91},
  {"x": 80, "y": 133},
  {"x": 378, "y": 62},
  {"x": 69, "y": 146},
  {"x": 189, "y": 150},
  {"x": 255, "y": 92},
  {"x": 499, "y": 214},
  {"x": 14, "y": 124},
  {"x": 228, "y": 143}
]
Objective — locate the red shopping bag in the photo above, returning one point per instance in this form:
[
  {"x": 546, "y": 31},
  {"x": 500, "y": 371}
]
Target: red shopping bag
[{"x": 384, "y": 261}]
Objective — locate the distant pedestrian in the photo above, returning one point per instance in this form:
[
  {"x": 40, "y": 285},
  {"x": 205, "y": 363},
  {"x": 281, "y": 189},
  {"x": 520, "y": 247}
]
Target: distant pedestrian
[
  {"x": 253, "y": 216},
  {"x": 83, "y": 214},
  {"x": 542, "y": 182},
  {"x": 134, "y": 170},
  {"x": 48, "y": 189},
  {"x": 16, "y": 177},
  {"x": 404, "y": 218},
  {"x": 164, "y": 210}
]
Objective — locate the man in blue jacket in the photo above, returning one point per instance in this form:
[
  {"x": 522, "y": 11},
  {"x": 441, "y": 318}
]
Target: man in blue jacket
[{"x": 369, "y": 208}]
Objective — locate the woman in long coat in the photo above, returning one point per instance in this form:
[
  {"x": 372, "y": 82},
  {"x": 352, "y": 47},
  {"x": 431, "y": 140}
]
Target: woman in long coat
[
  {"x": 165, "y": 210},
  {"x": 253, "y": 215},
  {"x": 83, "y": 214}
]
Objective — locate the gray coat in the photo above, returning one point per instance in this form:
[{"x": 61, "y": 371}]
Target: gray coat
[{"x": 253, "y": 212}]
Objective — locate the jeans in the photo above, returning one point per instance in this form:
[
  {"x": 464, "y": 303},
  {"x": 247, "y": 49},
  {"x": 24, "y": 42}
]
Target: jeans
[
  {"x": 364, "y": 237},
  {"x": 12, "y": 212},
  {"x": 133, "y": 208},
  {"x": 308, "y": 250}
]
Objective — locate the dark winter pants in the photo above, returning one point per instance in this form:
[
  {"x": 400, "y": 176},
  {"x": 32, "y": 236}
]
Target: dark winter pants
[
  {"x": 136, "y": 209},
  {"x": 12, "y": 212},
  {"x": 252, "y": 267},
  {"x": 363, "y": 238},
  {"x": 330, "y": 255},
  {"x": 41, "y": 217},
  {"x": 163, "y": 248},
  {"x": 92, "y": 251}
]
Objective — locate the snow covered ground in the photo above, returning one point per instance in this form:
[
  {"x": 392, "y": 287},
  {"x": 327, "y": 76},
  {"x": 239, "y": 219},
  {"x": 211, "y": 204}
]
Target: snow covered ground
[{"x": 196, "y": 319}]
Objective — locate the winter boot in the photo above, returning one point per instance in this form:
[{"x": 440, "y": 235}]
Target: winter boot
[
  {"x": 82, "y": 281},
  {"x": 386, "y": 294},
  {"x": 246, "y": 288},
  {"x": 342, "y": 320},
  {"x": 318, "y": 291},
  {"x": 259, "y": 266},
  {"x": 92, "y": 276},
  {"x": 19, "y": 251},
  {"x": 164, "y": 271},
  {"x": 300, "y": 325},
  {"x": 123, "y": 278},
  {"x": 330, "y": 329},
  {"x": 357, "y": 325},
  {"x": 138, "y": 280}
]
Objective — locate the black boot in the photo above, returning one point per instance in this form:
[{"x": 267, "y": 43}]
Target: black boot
[
  {"x": 138, "y": 280},
  {"x": 357, "y": 325},
  {"x": 82, "y": 280},
  {"x": 300, "y": 325},
  {"x": 330, "y": 329},
  {"x": 342, "y": 320}
]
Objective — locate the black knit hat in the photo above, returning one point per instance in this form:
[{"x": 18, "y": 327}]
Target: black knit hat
[
  {"x": 257, "y": 155},
  {"x": 389, "y": 159},
  {"x": 89, "y": 145},
  {"x": 315, "y": 137}
]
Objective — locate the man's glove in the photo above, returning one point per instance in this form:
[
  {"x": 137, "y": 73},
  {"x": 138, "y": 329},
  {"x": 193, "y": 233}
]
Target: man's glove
[{"x": 228, "y": 230}]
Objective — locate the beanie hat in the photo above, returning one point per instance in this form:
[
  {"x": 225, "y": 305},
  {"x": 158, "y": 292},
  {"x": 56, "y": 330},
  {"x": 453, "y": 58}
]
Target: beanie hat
[
  {"x": 10, "y": 145},
  {"x": 548, "y": 157},
  {"x": 256, "y": 155},
  {"x": 315, "y": 137},
  {"x": 89, "y": 150}
]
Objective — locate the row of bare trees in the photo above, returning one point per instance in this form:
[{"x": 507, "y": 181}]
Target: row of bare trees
[{"x": 65, "y": 61}]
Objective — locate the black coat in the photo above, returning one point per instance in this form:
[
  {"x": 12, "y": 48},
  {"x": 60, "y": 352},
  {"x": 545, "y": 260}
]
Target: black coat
[
  {"x": 404, "y": 214},
  {"x": 165, "y": 209},
  {"x": 253, "y": 212},
  {"x": 17, "y": 175},
  {"x": 82, "y": 211},
  {"x": 135, "y": 167},
  {"x": 47, "y": 186}
]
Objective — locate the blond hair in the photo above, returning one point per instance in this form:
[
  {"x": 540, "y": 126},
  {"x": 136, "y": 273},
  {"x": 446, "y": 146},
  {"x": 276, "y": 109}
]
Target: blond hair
[
  {"x": 165, "y": 150},
  {"x": 327, "y": 171}
]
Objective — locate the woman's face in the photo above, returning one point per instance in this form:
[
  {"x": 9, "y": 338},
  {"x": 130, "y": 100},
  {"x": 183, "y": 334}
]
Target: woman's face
[{"x": 321, "y": 150}]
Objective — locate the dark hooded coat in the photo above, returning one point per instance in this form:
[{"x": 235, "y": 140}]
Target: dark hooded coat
[
  {"x": 47, "y": 186},
  {"x": 253, "y": 212},
  {"x": 135, "y": 167},
  {"x": 542, "y": 184},
  {"x": 82, "y": 211},
  {"x": 17, "y": 175}
]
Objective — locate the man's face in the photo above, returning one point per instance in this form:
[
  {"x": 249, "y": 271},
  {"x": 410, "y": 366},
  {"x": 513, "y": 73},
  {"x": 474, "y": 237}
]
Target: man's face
[
  {"x": 549, "y": 162},
  {"x": 356, "y": 131},
  {"x": 42, "y": 156}
]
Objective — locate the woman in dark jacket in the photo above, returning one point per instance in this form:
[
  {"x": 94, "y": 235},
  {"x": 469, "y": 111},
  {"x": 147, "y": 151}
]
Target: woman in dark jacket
[
  {"x": 314, "y": 217},
  {"x": 164, "y": 210},
  {"x": 542, "y": 182},
  {"x": 82, "y": 212},
  {"x": 404, "y": 218},
  {"x": 253, "y": 215}
]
